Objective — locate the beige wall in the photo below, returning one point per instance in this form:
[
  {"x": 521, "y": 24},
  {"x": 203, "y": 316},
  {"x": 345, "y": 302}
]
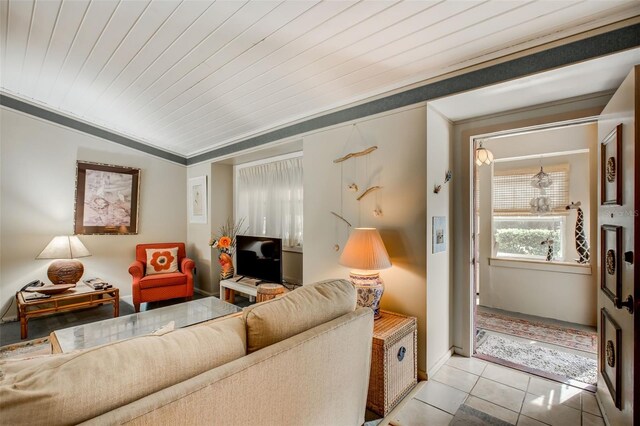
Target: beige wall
[
  {"x": 38, "y": 166},
  {"x": 439, "y": 132},
  {"x": 525, "y": 290},
  {"x": 462, "y": 184},
  {"x": 399, "y": 167},
  {"x": 198, "y": 234},
  {"x": 221, "y": 192}
]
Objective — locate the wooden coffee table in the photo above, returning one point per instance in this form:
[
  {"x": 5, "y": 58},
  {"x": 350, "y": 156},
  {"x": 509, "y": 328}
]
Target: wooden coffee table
[{"x": 80, "y": 297}]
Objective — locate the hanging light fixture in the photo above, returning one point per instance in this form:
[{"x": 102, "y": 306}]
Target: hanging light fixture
[
  {"x": 541, "y": 180},
  {"x": 483, "y": 156}
]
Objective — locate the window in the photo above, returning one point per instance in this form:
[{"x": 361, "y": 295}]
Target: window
[
  {"x": 522, "y": 236},
  {"x": 269, "y": 196},
  {"x": 519, "y": 233}
]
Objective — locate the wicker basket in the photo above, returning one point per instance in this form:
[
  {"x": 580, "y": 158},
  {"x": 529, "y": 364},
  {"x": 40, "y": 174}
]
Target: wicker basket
[
  {"x": 394, "y": 365},
  {"x": 269, "y": 291}
]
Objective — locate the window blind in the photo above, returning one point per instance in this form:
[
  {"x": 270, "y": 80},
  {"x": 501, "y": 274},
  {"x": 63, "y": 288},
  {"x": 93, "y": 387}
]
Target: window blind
[{"x": 512, "y": 190}]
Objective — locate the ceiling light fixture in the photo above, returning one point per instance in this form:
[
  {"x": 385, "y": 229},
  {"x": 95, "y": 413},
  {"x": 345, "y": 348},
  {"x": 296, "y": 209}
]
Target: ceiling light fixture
[{"x": 483, "y": 156}]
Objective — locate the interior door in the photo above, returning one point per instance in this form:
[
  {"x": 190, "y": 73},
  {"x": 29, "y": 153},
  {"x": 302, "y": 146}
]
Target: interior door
[{"x": 618, "y": 241}]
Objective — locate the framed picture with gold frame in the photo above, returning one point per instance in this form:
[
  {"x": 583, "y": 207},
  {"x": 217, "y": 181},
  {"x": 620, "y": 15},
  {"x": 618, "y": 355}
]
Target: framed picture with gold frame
[
  {"x": 610, "y": 255},
  {"x": 107, "y": 199},
  {"x": 611, "y": 168},
  {"x": 610, "y": 355}
]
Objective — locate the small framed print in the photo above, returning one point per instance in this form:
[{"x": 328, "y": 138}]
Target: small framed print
[
  {"x": 198, "y": 199},
  {"x": 610, "y": 344},
  {"x": 611, "y": 168},
  {"x": 610, "y": 255}
]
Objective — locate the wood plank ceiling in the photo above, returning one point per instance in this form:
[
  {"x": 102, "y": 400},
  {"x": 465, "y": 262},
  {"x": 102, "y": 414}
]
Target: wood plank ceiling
[{"x": 190, "y": 76}]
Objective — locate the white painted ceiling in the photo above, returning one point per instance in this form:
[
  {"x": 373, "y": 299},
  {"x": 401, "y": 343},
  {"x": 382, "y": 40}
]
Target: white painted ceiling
[{"x": 189, "y": 76}]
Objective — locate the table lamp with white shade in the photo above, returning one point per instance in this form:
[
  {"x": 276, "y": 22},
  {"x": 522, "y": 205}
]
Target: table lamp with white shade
[
  {"x": 65, "y": 249},
  {"x": 366, "y": 255}
]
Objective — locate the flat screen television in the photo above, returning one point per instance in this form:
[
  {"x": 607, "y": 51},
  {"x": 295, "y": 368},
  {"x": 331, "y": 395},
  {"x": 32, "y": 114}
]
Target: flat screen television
[{"x": 259, "y": 257}]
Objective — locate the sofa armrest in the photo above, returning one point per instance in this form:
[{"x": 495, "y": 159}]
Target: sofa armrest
[
  {"x": 136, "y": 269},
  {"x": 187, "y": 266}
]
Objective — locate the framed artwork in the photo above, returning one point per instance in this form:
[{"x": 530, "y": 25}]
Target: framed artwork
[
  {"x": 611, "y": 168},
  {"x": 610, "y": 255},
  {"x": 107, "y": 199},
  {"x": 439, "y": 234},
  {"x": 198, "y": 199},
  {"x": 610, "y": 344}
]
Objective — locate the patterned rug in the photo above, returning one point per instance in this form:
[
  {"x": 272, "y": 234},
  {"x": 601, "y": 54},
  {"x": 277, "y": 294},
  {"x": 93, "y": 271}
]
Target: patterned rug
[
  {"x": 581, "y": 340},
  {"x": 541, "y": 358}
]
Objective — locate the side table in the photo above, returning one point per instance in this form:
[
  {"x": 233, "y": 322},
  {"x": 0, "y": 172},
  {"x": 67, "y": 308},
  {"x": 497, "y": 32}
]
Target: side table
[
  {"x": 394, "y": 364},
  {"x": 80, "y": 297}
]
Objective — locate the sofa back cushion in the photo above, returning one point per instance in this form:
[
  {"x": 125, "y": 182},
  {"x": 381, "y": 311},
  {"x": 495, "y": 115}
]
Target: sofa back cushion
[
  {"x": 300, "y": 310},
  {"x": 71, "y": 388}
]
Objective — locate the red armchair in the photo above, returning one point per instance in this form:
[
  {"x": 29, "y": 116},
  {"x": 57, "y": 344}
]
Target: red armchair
[{"x": 152, "y": 288}]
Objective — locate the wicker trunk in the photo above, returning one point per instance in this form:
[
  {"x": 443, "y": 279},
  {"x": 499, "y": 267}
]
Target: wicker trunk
[{"x": 393, "y": 361}]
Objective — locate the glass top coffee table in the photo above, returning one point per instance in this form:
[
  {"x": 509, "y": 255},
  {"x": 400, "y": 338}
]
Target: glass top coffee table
[{"x": 111, "y": 330}]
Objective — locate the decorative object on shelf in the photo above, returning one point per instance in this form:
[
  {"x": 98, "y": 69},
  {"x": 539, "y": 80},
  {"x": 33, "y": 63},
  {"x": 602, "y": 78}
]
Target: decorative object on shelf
[
  {"x": 438, "y": 234},
  {"x": 368, "y": 191},
  {"x": 610, "y": 250},
  {"x": 549, "y": 243},
  {"x": 107, "y": 199},
  {"x": 356, "y": 154},
  {"x": 198, "y": 199},
  {"x": 51, "y": 288},
  {"x": 483, "y": 155},
  {"x": 225, "y": 243},
  {"x": 64, "y": 248},
  {"x": 610, "y": 341},
  {"x": 353, "y": 187},
  {"x": 610, "y": 168},
  {"x": 541, "y": 204},
  {"x": 582, "y": 244},
  {"x": 366, "y": 254}
]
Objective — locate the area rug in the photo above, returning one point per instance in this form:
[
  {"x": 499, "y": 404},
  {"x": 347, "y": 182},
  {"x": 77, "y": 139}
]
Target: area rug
[
  {"x": 551, "y": 361},
  {"x": 469, "y": 416},
  {"x": 26, "y": 349},
  {"x": 581, "y": 340}
]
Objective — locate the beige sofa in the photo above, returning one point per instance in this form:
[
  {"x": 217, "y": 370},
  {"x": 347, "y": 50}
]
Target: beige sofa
[{"x": 302, "y": 359}]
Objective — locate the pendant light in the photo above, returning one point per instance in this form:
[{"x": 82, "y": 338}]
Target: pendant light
[{"x": 483, "y": 156}]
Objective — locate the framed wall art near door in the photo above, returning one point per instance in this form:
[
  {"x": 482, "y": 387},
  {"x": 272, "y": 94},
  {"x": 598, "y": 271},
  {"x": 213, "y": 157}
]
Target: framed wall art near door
[
  {"x": 610, "y": 344},
  {"x": 107, "y": 199},
  {"x": 610, "y": 255},
  {"x": 198, "y": 199},
  {"x": 611, "y": 168}
]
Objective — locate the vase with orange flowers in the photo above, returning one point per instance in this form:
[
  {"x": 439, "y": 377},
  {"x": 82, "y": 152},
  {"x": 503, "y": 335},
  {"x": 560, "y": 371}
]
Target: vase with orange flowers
[{"x": 225, "y": 243}]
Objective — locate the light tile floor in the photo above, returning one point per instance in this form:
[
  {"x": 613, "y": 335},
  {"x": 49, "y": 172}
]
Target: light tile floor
[{"x": 510, "y": 395}]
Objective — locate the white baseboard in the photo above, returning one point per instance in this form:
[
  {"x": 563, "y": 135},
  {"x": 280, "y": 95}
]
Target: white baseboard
[{"x": 440, "y": 363}]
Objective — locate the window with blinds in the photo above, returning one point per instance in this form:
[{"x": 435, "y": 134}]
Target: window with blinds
[{"x": 512, "y": 190}]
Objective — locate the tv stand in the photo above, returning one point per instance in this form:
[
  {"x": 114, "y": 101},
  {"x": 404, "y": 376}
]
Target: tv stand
[{"x": 242, "y": 285}]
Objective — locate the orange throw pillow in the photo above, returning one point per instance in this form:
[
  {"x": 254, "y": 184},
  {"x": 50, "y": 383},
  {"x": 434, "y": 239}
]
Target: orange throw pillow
[{"x": 162, "y": 261}]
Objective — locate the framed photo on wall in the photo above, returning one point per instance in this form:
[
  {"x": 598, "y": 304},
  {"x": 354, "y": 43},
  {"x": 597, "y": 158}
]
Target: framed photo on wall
[
  {"x": 610, "y": 344},
  {"x": 610, "y": 253},
  {"x": 611, "y": 168},
  {"x": 107, "y": 199},
  {"x": 198, "y": 199}
]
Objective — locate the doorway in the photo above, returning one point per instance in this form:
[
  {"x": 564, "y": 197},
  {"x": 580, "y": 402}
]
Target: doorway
[{"x": 534, "y": 228}]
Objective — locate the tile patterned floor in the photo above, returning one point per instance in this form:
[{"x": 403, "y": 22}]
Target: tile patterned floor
[{"x": 510, "y": 395}]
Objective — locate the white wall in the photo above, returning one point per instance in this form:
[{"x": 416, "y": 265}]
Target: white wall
[
  {"x": 522, "y": 289},
  {"x": 462, "y": 184},
  {"x": 221, "y": 193},
  {"x": 38, "y": 167},
  {"x": 399, "y": 167},
  {"x": 439, "y": 298}
]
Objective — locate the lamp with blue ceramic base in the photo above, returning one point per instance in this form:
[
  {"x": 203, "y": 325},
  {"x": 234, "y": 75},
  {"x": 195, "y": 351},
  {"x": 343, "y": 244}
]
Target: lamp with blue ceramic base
[{"x": 366, "y": 254}]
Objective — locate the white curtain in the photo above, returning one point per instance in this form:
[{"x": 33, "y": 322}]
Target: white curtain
[{"x": 269, "y": 197}]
